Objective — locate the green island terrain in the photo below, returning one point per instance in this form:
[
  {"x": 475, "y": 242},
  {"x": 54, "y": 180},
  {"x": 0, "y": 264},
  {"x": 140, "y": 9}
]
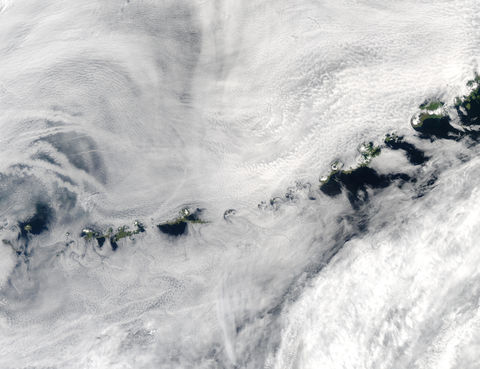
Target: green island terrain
[
  {"x": 178, "y": 226},
  {"x": 121, "y": 232},
  {"x": 432, "y": 121},
  {"x": 174, "y": 227}
]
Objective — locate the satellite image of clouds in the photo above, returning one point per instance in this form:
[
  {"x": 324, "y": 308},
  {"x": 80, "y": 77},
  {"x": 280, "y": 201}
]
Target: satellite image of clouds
[{"x": 240, "y": 184}]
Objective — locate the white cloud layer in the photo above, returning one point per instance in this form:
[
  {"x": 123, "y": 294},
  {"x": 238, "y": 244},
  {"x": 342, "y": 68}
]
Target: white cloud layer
[{"x": 113, "y": 111}]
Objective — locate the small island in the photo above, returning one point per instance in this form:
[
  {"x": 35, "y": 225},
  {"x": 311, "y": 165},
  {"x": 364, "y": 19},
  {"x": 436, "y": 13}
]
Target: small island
[
  {"x": 122, "y": 232},
  {"x": 178, "y": 226}
]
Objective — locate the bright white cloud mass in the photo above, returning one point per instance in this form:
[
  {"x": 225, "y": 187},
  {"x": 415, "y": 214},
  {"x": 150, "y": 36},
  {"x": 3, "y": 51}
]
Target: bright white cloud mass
[{"x": 160, "y": 202}]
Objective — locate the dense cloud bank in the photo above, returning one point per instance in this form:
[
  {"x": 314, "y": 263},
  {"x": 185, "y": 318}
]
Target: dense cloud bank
[{"x": 159, "y": 192}]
